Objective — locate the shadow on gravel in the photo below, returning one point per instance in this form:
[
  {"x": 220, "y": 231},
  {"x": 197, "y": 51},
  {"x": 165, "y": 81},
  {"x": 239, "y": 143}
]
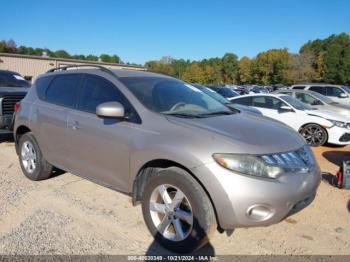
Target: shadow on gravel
[
  {"x": 336, "y": 157},
  {"x": 6, "y": 136},
  {"x": 330, "y": 179},
  {"x": 206, "y": 252},
  {"x": 155, "y": 249}
]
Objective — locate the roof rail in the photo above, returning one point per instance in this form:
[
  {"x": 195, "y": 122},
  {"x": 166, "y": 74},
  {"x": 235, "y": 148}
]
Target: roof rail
[{"x": 102, "y": 68}]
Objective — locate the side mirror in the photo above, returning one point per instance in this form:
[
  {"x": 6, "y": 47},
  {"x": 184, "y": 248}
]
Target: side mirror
[
  {"x": 343, "y": 95},
  {"x": 285, "y": 109},
  {"x": 110, "y": 110}
]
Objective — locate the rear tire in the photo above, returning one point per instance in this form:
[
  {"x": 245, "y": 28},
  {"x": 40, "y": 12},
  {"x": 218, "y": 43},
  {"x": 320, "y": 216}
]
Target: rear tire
[
  {"x": 177, "y": 210},
  {"x": 314, "y": 135},
  {"x": 33, "y": 164}
]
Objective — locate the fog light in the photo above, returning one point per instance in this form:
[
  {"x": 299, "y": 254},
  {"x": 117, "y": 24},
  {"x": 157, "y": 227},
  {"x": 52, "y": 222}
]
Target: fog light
[{"x": 260, "y": 212}]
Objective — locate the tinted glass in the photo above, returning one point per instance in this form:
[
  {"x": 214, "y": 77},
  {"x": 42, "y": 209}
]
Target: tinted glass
[
  {"x": 247, "y": 101},
  {"x": 267, "y": 102},
  {"x": 318, "y": 89},
  {"x": 41, "y": 85},
  {"x": 95, "y": 91},
  {"x": 172, "y": 97},
  {"x": 347, "y": 89},
  {"x": 9, "y": 79},
  {"x": 63, "y": 90},
  {"x": 298, "y": 87},
  {"x": 226, "y": 92},
  {"x": 333, "y": 91}
]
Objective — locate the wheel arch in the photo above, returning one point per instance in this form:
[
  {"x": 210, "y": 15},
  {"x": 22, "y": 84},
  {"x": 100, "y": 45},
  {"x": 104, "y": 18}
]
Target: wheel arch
[
  {"x": 152, "y": 166},
  {"x": 20, "y": 130}
]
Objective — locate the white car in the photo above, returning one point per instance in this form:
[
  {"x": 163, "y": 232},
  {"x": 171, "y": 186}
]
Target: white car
[
  {"x": 337, "y": 93},
  {"x": 316, "y": 126}
]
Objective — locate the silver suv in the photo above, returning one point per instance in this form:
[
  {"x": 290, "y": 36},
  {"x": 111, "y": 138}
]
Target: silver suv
[{"x": 193, "y": 164}]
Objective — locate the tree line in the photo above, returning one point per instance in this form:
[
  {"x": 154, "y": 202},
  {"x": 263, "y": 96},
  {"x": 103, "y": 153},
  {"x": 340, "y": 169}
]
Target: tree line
[
  {"x": 10, "y": 46},
  {"x": 326, "y": 60},
  {"x": 321, "y": 60}
]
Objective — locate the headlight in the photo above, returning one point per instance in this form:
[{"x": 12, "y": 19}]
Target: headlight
[
  {"x": 248, "y": 164},
  {"x": 268, "y": 166},
  {"x": 338, "y": 123}
]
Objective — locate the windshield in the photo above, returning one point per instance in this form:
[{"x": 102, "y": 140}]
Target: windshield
[
  {"x": 9, "y": 79},
  {"x": 227, "y": 92},
  {"x": 173, "y": 97},
  {"x": 296, "y": 103},
  {"x": 212, "y": 94},
  {"x": 323, "y": 98},
  {"x": 347, "y": 89}
]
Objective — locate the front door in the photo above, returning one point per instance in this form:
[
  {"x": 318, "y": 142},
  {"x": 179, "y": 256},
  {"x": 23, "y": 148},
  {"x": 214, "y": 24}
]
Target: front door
[{"x": 100, "y": 148}]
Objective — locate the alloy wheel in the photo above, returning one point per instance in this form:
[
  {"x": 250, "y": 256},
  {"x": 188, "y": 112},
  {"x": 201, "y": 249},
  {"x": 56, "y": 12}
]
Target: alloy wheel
[
  {"x": 171, "y": 212},
  {"x": 28, "y": 156}
]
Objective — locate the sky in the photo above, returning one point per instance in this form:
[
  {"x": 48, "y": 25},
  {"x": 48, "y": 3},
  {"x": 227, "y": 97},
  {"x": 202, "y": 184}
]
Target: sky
[{"x": 144, "y": 30}]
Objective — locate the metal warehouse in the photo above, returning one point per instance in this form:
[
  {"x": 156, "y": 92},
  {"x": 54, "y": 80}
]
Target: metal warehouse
[{"x": 31, "y": 66}]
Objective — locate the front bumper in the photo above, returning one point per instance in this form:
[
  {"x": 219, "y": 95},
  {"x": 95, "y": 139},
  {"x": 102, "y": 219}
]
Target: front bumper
[
  {"x": 247, "y": 201},
  {"x": 6, "y": 121},
  {"x": 338, "y": 136}
]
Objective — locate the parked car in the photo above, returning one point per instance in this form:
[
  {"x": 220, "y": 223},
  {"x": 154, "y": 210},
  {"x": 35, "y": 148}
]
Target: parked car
[
  {"x": 226, "y": 102},
  {"x": 193, "y": 164},
  {"x": 226, "y": 92},
  {"x": 337, "y": 93},
  {"x": 316, "y": 100},
  {"x": 257, "y": 90},
  {"x": 316, "y": 126},
  {"x": 13, "y": 87}
]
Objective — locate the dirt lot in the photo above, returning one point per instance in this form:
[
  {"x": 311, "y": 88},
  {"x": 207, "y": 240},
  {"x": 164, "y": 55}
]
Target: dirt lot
[{"x": 69, "y": 215}]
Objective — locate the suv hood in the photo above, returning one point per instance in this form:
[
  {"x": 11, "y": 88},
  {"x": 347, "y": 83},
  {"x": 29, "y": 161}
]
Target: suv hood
[
  {"x": 246, "y": 133},
  {"x": 328, "y": 115}
]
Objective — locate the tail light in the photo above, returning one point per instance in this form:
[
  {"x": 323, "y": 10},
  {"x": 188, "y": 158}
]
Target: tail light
[{"x": 17, "y": 107}]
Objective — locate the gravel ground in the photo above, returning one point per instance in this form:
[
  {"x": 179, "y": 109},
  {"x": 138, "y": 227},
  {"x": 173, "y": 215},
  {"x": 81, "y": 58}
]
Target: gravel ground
[{"x": 69, "y": 215}]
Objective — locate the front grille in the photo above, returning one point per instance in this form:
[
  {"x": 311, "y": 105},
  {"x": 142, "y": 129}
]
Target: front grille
[
  {"x": 8, "y": 103},
  {"x": 345, "y": 138},
  {"x": 301, "y": 159}
]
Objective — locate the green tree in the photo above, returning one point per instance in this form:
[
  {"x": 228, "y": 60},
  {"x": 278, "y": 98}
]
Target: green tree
[
  {"x": 229, "y": 68},
  {"x": 194, "y": 74},
  {"x": 244, "y": 70},
  {"x": 62, "y": 54}
]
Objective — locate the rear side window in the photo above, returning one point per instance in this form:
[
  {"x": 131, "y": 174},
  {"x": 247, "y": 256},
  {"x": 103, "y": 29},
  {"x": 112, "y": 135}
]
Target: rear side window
[
  {"x": 267, "y": 102},
  {"x": 63, "y": 90},
  {"x": 318, "y": 89},
  {"x": 247, "y": 101},
  {"x": 41, "y": 85},
  {"x": 298, "y": 87},
  {"x": 96, "y": 91}
]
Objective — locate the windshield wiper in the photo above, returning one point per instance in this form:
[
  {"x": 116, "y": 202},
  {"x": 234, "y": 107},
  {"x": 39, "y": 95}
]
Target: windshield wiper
[
  {"x": 183, "y": 115},
  {"x": 218, "y": 113}
]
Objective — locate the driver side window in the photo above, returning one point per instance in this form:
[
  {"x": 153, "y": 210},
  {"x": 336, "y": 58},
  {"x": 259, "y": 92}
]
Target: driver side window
[{"x": 307, "y": 99}]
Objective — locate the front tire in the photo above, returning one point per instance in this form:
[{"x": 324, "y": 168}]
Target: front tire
[
  {"x": 33, "y": 164},
  {"x": 177, "y": 210},
  {"x": 314, "y": 135}
]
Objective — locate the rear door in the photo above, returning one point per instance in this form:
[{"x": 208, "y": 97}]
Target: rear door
[
  {"x": 51, "y": 117},
  {"x": 99, "y": 148}
]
